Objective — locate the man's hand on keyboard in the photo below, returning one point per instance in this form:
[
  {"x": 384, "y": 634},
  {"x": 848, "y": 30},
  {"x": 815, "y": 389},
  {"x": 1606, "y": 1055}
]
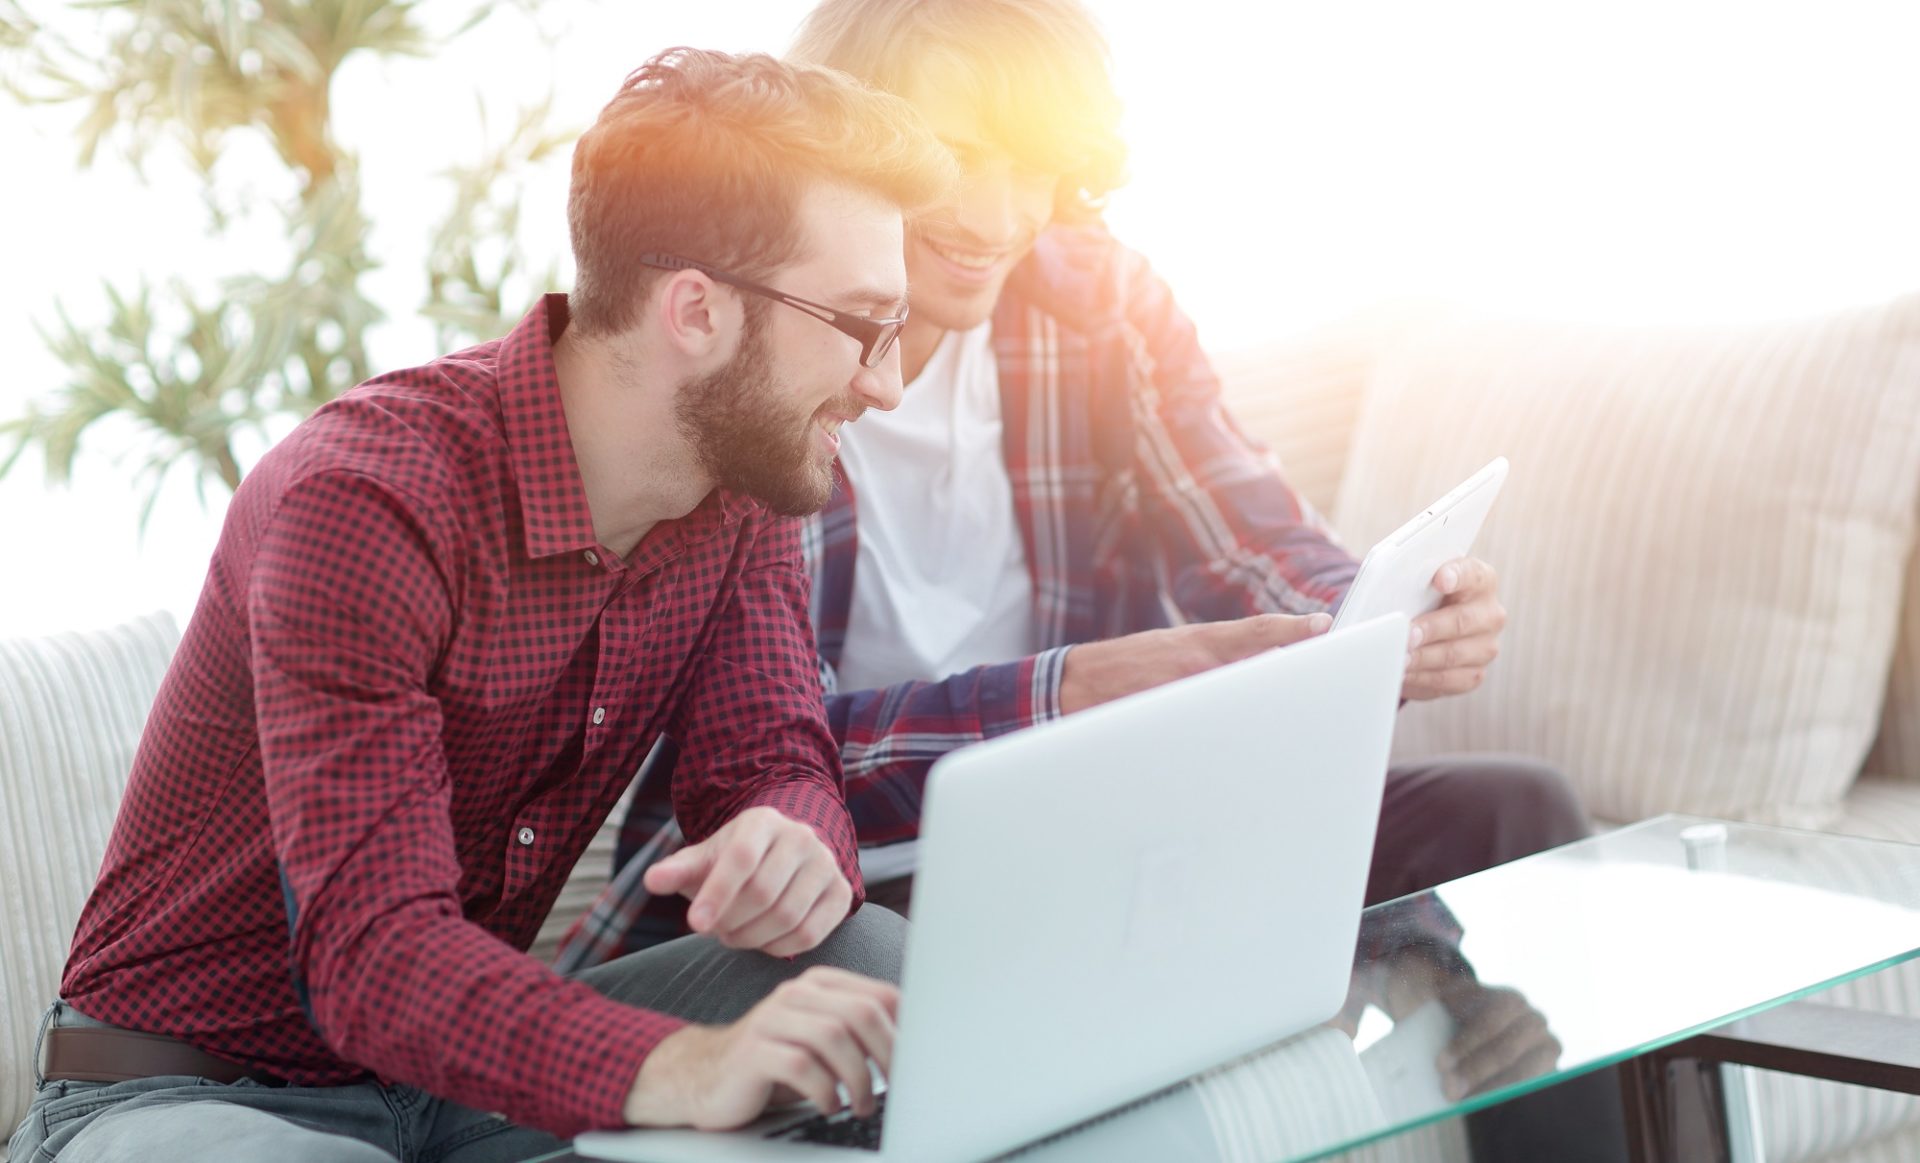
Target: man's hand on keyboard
[{"x": 810, "y": 1037}]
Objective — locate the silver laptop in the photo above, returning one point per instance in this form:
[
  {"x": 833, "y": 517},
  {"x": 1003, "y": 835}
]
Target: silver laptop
[{"x": 1116, "y": 901}]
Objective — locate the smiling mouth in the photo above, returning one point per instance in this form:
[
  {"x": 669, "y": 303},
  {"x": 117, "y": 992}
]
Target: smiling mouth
[
  {"x": 829, "y": 427},
  {"x": 973, "y": 260}
]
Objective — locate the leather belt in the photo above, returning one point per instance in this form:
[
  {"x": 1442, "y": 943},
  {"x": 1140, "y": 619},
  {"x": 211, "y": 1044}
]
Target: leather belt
[{"x": 94, "y": 1054}]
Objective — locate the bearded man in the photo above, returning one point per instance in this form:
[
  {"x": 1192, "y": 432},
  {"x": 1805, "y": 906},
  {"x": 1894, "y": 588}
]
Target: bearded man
[{"x": 447, "y": 617}]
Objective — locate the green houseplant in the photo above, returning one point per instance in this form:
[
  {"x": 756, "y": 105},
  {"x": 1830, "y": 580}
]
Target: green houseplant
[{"x": 191, "y": 370}]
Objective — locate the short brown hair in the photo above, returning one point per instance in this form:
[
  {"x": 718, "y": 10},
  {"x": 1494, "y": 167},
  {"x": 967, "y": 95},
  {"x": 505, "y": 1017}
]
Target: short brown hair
[
  {"x": 1039, "y": 67},
  {"x": 706, "y": 155}
]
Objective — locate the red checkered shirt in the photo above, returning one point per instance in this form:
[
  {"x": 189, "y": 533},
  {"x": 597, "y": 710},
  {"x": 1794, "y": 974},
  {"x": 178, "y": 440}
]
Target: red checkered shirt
[{"x": 413, "y": 688}]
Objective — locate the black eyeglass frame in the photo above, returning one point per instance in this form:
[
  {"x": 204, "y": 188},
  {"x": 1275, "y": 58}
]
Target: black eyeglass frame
[{"x": 876, "y": 336}]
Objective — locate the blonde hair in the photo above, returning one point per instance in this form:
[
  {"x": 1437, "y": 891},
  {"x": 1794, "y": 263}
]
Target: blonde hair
[
  {"x": 1039, "y": 68},
  {"x": 706, "y": 155}
]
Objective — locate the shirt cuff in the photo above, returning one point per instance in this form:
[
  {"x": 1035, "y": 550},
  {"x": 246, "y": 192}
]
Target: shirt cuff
[
  {"x": 615, "y": 1039},
  {"x": 1044, "y": 687},
  {"x": 826, "y": 813}
]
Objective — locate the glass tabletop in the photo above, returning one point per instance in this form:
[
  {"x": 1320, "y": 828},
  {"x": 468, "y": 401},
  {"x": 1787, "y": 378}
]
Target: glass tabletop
[
  {"x": 1544, "y": 969},
  {"x": 1510, "y": 981}
]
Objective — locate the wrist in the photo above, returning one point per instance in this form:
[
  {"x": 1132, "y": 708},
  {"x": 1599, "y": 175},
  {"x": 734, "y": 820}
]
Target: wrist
[
  {"x": 657, "y": 1096},
  {"x": 1068, "y": 695},
  {"x": 1077, "y": 682}
]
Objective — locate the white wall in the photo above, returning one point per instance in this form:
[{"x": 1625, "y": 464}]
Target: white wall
[{"x": 1634, "y": 159}]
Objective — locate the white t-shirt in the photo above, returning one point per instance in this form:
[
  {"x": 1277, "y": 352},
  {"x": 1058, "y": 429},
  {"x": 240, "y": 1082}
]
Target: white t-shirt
[{"x": 940, "y": 582}]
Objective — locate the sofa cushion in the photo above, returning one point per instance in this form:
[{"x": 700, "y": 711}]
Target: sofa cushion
[
  {"x": 71, "y": 710},
  {"x": 1702, "y": 545},
  {"x": 1896, "y": 753},
  {"x": 1803, "y": 1118}
]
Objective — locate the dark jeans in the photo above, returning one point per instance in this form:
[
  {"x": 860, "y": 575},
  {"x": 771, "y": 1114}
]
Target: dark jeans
[{"x": 1449, "y": 817}]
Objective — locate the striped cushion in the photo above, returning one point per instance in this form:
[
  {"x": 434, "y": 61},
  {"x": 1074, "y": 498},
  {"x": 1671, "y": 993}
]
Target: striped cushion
[
  {"x": 1442, "y": 1142},
  {"x": 1902, "y": 1146},
  {"x": 1802, "y": 1119},
  {"x": 1274, "y": 1105},
  {"x": 71, "y": 710},
  {"x": 1897, "y": 752},
  {"x": 1702, "y": 546}
]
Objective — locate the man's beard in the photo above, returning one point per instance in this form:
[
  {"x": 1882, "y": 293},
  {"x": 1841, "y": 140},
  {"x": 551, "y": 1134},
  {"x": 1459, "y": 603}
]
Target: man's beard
[{"x": 747, "y": 437}]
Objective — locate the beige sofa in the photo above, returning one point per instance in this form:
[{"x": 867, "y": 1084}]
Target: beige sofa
[{"x": 1707, "y": 548}]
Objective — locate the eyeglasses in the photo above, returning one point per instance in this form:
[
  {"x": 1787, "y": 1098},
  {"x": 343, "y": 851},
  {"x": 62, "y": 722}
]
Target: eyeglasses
[{"x": 876, "y": 336}]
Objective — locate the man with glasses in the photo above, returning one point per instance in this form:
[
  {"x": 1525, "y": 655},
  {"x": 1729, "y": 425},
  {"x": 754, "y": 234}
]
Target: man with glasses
[
  {"x": 447, "y": 617},
  {"x": 1060, "y": 484}
]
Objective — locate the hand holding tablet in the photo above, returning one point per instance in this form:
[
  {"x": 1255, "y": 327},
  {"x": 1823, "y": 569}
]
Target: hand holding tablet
[{"x": 1398, "y": 574}]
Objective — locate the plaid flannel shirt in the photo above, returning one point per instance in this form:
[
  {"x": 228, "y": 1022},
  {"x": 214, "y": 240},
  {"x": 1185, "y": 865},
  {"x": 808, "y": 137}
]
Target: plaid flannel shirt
[{"x": 1140, "y": 501}]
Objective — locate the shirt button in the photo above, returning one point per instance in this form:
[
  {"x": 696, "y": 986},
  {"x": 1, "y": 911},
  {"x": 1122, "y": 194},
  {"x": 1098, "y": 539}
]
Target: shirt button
[
  {"x": 592, "y": 558},
  {"x": 599, "y": 715},
  {"x": 525, "y": 837}
]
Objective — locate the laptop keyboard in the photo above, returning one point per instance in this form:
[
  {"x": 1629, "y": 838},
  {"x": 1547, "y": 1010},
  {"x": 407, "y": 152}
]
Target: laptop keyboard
[{"x": 839, "y": 1130}]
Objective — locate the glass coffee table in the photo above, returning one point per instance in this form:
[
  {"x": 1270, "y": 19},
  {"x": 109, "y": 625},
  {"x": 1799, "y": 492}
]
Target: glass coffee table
[{"x": 1665, "y": 948}]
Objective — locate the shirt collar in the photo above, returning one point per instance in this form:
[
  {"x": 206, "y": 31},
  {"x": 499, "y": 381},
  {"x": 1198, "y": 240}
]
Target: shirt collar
[{"x": 553, "y": 502}]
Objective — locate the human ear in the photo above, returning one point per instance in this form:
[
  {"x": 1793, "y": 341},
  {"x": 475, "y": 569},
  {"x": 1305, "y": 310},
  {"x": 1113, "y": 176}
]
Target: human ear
[{"x": 694, "y": 316}]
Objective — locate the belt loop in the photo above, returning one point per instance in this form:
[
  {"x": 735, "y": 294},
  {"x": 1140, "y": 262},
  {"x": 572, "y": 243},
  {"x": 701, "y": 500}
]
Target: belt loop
[{"x": 39, "y": 1046}]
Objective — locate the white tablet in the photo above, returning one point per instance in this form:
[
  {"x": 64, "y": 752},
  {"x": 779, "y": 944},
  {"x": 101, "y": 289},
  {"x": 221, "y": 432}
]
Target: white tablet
[{"x": 1397, "y": 575}]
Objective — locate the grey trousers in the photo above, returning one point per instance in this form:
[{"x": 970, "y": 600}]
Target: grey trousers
[{"x": 193, "y": 1120}]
